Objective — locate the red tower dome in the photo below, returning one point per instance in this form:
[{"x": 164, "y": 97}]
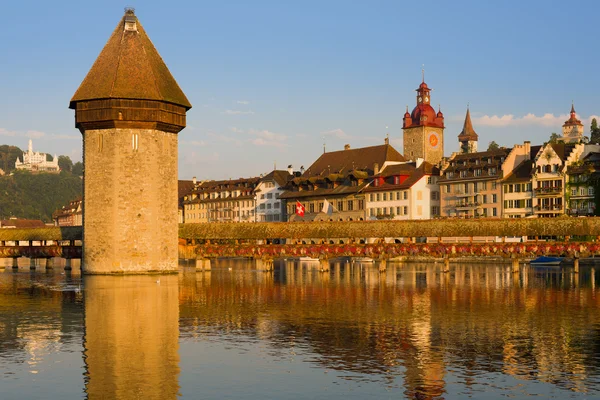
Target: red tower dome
[{"x": 423, "y": 114}]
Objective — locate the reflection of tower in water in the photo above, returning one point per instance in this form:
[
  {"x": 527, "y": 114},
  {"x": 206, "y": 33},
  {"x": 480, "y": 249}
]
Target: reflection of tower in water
[{"x": 131, "y": 337}]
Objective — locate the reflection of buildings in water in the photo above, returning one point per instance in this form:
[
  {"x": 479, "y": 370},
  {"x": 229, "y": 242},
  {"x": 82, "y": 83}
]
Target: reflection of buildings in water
[
  {"x": 411, "y": 321},
  {"x": 131, "y": 336}
]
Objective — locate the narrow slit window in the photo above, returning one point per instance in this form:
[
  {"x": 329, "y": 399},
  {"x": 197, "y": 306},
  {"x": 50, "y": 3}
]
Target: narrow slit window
[
  {"x": 135, "y": 142},
  {"x": 100, "y": 142}
]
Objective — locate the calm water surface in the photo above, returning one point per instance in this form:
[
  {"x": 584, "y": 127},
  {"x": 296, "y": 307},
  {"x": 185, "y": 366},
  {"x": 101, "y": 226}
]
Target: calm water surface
[{"x": 479, "y": 332}]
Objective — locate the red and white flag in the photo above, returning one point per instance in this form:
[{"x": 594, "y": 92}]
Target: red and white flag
[{"x": 299, "y": 209}]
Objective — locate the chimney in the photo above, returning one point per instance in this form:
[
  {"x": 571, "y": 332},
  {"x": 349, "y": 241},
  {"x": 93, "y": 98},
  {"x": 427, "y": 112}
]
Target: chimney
[
  {"x": 419, "y": 162},
  {"x": 194, "y": 180},
  {"x": 527, "y": 146},
  {"x": 302, "y": 169},
  {"x": 346, "y": 147},
  {"x": 290, "y": 170},
  {"x": 375, "y": 169},
  {"x": 387, "y": 140}
]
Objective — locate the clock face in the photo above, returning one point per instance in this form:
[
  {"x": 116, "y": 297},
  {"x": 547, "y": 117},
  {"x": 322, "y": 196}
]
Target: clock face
[
  {"x": 434, "y": 139},
  {"x": 420, "y": 99},
  {"x": 426, "y": 99}
]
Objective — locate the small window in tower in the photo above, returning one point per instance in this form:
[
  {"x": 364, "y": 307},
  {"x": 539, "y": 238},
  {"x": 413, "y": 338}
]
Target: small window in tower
[{"x": 135, "y": 142}]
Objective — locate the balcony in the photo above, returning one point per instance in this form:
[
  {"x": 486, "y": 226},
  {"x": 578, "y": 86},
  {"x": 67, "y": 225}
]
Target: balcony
[
  {"x": 548, "y": 191},
  {"x": 467, "y": 205},
  {"x": 553, "y": 208}
]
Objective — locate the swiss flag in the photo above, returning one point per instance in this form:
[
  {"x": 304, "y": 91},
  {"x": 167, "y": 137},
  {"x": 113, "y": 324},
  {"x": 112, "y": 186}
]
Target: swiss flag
[{"x": 299, "y": 209}]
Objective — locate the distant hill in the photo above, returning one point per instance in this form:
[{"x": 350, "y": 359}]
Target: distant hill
[
  {"x": 8, "y": 156},
  {"x": 37, "y": 196}
]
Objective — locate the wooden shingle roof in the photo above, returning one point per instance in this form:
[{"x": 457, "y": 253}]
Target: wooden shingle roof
[{"x": 129, "y": 67}]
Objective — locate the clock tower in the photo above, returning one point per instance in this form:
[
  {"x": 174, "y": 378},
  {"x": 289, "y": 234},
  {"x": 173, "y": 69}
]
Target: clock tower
[{"x": 423, "y": 129}]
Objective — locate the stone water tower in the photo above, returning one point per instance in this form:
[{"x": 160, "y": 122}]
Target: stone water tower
[{"x": 129, "y": 109}]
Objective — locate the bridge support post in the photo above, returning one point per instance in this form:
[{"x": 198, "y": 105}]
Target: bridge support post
[
  {"x": 68, "y": 264},
  {"x": 32, "y": 263},
  {"x": 264, "y": 264},
  {"x": 203, "y": 264},
  {"x": 446, "y": 267},
  {"x": 15, "y": 263},
  {"x": 576, "y": 265},
  {"x": 324, "y": 264},
  {"x": 382, "y": 265},
  {"x": 49, "y": 263},
  {"x": 515, "y": 266}
]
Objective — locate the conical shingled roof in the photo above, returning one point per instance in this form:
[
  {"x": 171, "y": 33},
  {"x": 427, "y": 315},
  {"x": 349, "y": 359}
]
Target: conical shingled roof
[
  {"x": 468, "y": 133},
  {"x": 129, "y": 67}
]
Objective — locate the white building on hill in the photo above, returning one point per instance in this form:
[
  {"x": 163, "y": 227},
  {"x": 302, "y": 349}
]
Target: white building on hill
[{"x": 36, "y": 162}]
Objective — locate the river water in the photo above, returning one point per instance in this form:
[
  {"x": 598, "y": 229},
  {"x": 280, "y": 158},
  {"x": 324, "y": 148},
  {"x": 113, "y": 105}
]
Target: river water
[{"x": 479, "y": 332}]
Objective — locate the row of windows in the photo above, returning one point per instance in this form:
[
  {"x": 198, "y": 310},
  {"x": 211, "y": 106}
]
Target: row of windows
[
  {"x": 465, "y": 188},
  {"x": 212, "y": 215},
  {"x": 582, "y": 191},
  {"x": 268, "y": 206},
  {"x": 228, "y": 204},
  {"x": 402, "y": 195},
  {"x": 401, "y": 211},
  {"x": 518, "y": 187},
  {"x": 518, "y": 203},
  {"x": 342, "y": 205},
  {"x": 269, "y": 195}
]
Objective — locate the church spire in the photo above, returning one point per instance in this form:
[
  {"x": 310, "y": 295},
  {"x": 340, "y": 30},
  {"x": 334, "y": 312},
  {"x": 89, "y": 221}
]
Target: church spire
[{"x": 468, "y": 137}]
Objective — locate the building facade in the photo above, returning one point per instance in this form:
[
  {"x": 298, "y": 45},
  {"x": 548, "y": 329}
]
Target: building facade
[
  {"x": 333, "y": 187},
  {"x": 230, "y": 200},
  {"x": 69, "y": 215},
  {"x": 550, "y": 177},
  {"x": 403, "y": 192},
  {"x": 269, "y": 206}
]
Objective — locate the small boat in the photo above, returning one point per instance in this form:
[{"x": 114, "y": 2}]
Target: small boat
[{"x": 545, "y": 261}]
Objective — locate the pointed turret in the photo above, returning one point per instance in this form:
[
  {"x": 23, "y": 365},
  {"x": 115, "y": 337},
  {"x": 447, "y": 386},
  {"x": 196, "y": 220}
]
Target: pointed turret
[
  {"x": 130, "y": 83},
  {"x": 468, "y": 137}
]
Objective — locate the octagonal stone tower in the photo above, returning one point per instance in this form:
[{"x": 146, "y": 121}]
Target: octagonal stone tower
[{"x": 129, "y": 110}]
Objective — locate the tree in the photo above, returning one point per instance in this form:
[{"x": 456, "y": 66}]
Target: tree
[
  {"x": 594, "y": 132},
  {"x": 65, "y": 163},
  {"x": 78, "y": 168},
  {"x": 554, "y": 138},
  {"x": 493, "y": 146}
]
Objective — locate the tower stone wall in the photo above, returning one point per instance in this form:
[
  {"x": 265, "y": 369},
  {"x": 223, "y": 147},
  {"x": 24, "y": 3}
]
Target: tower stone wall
[{"x": 130, "y": 215}]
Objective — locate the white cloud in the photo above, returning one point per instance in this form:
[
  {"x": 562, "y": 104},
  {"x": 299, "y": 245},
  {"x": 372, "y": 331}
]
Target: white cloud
[
  {"x": 5, "y": 132},
  {"x": 549, "y": 120},
  {"x": 244, "y": 102},
  {"x": 236, "y": 130},
  {"x": 35, "y": 134},
  {"x": 338, "y": 133},
  {"x": 225, "y": 139},
  {"x": 301, "y": 135},
  {"x": 267, "y": 138},
  {"x": 193, "y": 142},
  {"x": 64, "y": 136},
  {"x": 237, "y": 112}
]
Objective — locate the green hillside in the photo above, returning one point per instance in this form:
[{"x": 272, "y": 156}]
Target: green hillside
[{"x": 37, "y": 196}]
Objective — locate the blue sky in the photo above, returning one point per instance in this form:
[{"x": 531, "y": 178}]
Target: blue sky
[{"x": 270, "y": 81}]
